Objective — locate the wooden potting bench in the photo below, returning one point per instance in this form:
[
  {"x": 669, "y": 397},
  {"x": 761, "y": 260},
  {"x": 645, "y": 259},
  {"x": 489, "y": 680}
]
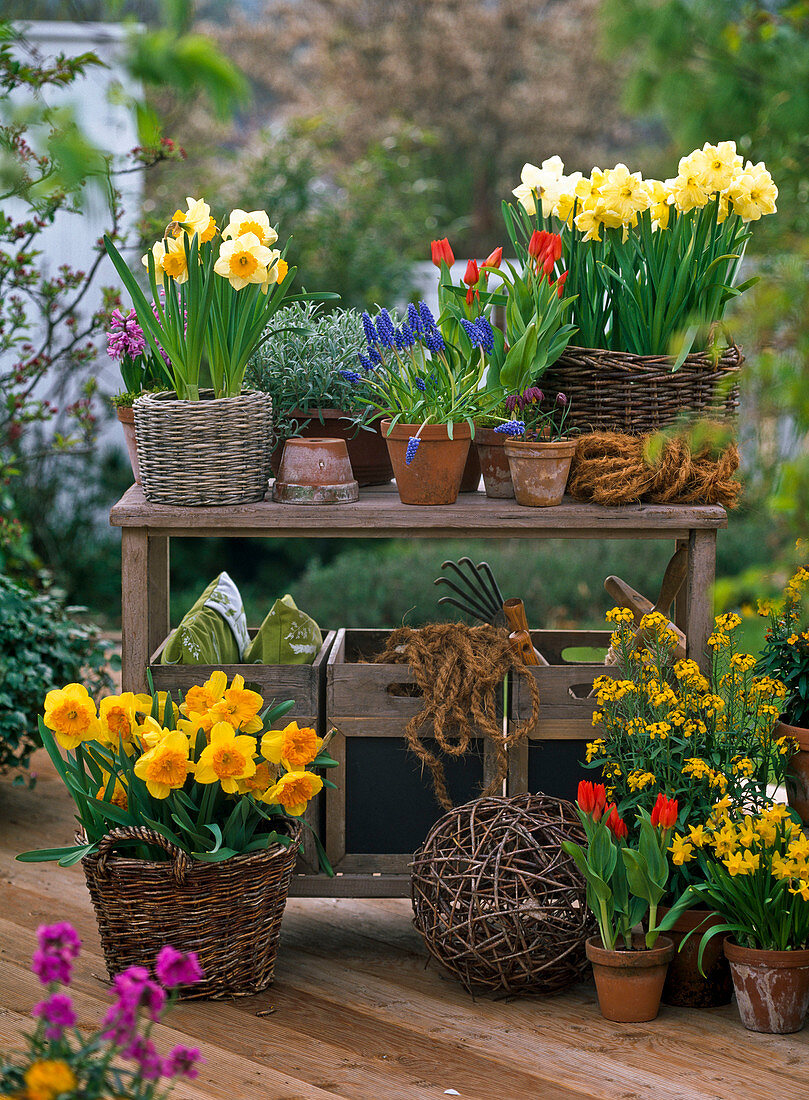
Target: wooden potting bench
[{"x": 147, "y": 529}]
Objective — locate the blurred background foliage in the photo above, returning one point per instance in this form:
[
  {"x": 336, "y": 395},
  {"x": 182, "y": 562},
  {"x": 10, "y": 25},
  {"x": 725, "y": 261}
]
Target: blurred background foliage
[{"x": 367, "y": 128}]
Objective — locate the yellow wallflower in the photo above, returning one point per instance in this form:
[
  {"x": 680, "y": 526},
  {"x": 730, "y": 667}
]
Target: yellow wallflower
[
  {"x": 681, "y": 851},
  {"x": 753, "y": 192},
  {"x": 256, "y": 222},
  {"x": 71, "y": 715},
  {"x": 243, "y": 261},
  {"x": 658, "y": 729},
  {"x": 718, "y": 640},
  {"x": 743, "y": 765},
  {"x": 620, "y": 615},
  {"x": 164, "y": 768},
  {"x": 49, "y": 1079},
  {"x": 594, "y": 748},
  {"x": 196, "y": 219},
  {"x": 227, "y": 758},
  {"x": 239, "y": 706},
  {"x": 293, "y": 791},
  {"x": 639, "y": 779},
  {"x": 598, "y": 718},
  {"x": 744, "y": 662},
  {"x": 727, "y": 622},
  {"x": 294, "y": 746},
  {"x": 117, "y": 722}
]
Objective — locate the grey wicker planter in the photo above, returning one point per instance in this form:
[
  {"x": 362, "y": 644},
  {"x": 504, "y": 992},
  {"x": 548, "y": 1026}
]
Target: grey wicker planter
[{"x": 212, "y": 452}]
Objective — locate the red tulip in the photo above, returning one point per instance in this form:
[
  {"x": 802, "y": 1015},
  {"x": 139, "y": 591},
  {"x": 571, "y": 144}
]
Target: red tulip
[
  {"x": 494, "y": 259},
  {"x": 560, "y": 284},
  {"x": 472, "y": 273},
  {"x": 615, "y": 823},
  {"x": 442, "y": 253},
  {"x": 537, "y": 244},
  {"x": 592, "y": 798},
  {"x": 664, "y": 812}
]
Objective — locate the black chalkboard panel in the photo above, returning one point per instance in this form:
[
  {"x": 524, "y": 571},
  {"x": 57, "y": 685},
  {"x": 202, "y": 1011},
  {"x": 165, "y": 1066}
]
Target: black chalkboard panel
[{"x": 555, "y": 767}]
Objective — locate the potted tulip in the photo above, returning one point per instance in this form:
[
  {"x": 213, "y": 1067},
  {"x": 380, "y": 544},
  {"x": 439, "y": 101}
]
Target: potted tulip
[
  {"x": 537, "y": 447},
  {"x": 212, "y": 296},
  {"x": 785, "y": 656},
  {"x": 625, "y": 885},
  {"x": 428, "y": 393},
  {"x": 756, "y": 876}
]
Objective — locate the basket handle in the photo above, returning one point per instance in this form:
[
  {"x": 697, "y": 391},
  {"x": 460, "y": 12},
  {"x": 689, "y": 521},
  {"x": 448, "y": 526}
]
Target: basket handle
[{"x": 179, "y": 859}]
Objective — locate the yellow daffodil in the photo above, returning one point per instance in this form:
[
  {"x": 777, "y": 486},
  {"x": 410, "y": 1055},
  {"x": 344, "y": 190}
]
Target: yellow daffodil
[
  {"x": 202, "y": 697},
  {"x": 719, "y": 164},
  {"x": 276, "y": 271},
  {"x": 169, "y": 259},
  {"x": 227, "y": 758},
  {"x": 294, "y": 746},
  {"x": 49, "y": 1079},
  {"x": 697, "y": 835},
  {"x": 781, "y": 867},
  {"x": 239, "y": 706},
  {"x": 117, "y": 722},
  {"x": 194, "y": 723},
  {"x": 735, "y": 864},
  {"x": 801, "y": 889},
  {"x": 196, "y": 219},
  {"x": 256, "y": 222},
  {"x": 543, "y": 183},
  {"x": 164, "y": 768},
  {"x": 258, "y": 783},
  {"x": 243, "y": 261},
  {"x": 681, "y": 851},
  {"x": 293, "y": 791},
  {"x": 70, "y": 714},
  {"x": 659, "y": 204},
  {"x": 688, "y": 189},
  {"x": 753, "y": 192},
  {"x": 118, "y": 795},
  {"x": 623, "y": 192}
]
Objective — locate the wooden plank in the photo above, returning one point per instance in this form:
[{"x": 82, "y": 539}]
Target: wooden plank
[
  {"x": 158, "y": 583},
  {"x": 382, "y": 515},
  {"x": 134, "y": 609},
  {"x": 335, "y": 839},
  {"x": 699, "y": 595}
]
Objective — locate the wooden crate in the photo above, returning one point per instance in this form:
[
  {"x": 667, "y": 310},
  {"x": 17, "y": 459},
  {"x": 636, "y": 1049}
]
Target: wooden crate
[
  {"x": 306, "y": 684},
  {"x": 551, "y": 759},
  {"x": 384, "y": 804}
]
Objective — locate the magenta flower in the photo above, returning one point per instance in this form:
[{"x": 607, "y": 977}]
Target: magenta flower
[
  {"x": 59, "y": 944},
  {"x": 182, "y": 1062},
  {"x": 136, "y": 990},
  {"x": 175, "y": 967},
  {"x": 57, "y": 1011},
  {"x": 144, "y": 1052},
  {"x": 125, "y": 336}
]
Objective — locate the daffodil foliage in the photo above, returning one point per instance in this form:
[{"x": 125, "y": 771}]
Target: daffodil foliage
[
  {"x": 651, "y": 263},
  {"x": 213, "y": 294},
  {"x": 209, "y": 772}
]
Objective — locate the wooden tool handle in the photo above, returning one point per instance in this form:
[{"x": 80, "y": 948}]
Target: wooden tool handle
[
  {"x": 672, "y": 580},
  {"x": 626, "y": 596},
  {"x": 523, "y": 649},
  {"x": 514, "y": 610}
]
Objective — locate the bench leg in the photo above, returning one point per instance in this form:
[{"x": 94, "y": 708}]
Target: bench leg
[
  {"x": 699, "y": 595},
  {"x": 134, "y": 608}
]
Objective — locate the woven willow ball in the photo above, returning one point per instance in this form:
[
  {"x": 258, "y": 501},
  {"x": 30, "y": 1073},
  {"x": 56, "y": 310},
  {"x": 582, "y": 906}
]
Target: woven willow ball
[{"x": 497, "y": 900}]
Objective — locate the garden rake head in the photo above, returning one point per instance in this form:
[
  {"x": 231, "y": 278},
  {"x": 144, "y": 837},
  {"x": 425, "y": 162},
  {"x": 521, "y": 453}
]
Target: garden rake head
[{"x": 479, "y": 592}]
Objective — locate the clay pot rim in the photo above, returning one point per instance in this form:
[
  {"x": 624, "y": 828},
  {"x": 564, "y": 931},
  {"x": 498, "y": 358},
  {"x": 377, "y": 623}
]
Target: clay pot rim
[
  {"x": 799, "y": 733},
  {"x": 313, "y": 440},
  {"x": 540, "y": 448},
  {"x": 622, "y": 959},
  {"x": 772, "y": 960},
  {"x": 488, "y": 437},
  {"x": 126, "y": 414},
  {"x": 429, "y": 433}
]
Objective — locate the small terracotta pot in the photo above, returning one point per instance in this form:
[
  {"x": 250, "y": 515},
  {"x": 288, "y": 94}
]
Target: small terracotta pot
[
  {"x": 629, "y": 983},
  {"x": 491, "y": 448},
  {"x": 772, "y": 988},
  {"x": 685, "y": 985},
  {"x": 367, "y": 451},
  {"x": 470, "y": 479},
  {"x": 315, "y": 471},
  {"x": 434, "y": 475},
  {"x": 127, "y": 419},
  {"x": 539, "y": 470},
  {"x": 797, "y": 781}
]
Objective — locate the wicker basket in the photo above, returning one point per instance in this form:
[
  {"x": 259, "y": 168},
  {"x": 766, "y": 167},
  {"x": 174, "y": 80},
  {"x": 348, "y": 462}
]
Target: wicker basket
[
  {"x": 616, "y": 391},
  {"x": 229, "y": 913},
  {"x": 209, "y": 452}
]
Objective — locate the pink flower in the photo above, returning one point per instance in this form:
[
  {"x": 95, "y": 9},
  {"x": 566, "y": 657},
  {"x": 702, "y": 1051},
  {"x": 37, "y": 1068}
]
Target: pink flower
[
  {"x": 59, "y": 944},
  {"x": 125, "y": 337},
  {"x": 182, "y": 1062},
  {"x": 144, "y": 1052},
  {"x": 57, "y": 1011},
  {"x": 175, "y": 967}
]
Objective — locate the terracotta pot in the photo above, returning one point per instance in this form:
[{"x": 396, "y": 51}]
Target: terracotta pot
[
  {"x": 629, "y": 983},
  {"x": 434, "y": 475},
  {"x": 127, "y": 419},
  {"x": 470, "y": 479},
  {"x": 685, "y": 985},
  {"x": 491, "y": 448},
  {"x": 539, "y": 470},
  {"x": 367, "y": 451},
  {"x": 797, "y": 782},
  {"x": 772, "y": 988},
  {"x": 315, "y": 471}
]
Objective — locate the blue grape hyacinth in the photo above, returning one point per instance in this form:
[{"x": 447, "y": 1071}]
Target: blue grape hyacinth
[
  {"x": 421, "y": 384},
  {"x": 371, "y": 337},
  {"x": 412, "y": 446},
  {"x": 511, "y": 428},
  {"x": 350, "y": 375}
]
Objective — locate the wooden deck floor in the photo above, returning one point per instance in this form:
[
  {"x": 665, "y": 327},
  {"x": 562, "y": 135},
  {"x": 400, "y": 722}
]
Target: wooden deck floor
[{"x": 355, "y": 1014}]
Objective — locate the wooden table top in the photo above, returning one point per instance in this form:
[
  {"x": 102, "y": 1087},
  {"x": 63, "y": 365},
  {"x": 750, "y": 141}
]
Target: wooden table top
[{"x": 380, "y": 514}]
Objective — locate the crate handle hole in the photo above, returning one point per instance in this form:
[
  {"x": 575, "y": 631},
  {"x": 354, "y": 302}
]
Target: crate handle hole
[
  {"x": 580, "y": 691},
  {"x": 405, "y": 691}
]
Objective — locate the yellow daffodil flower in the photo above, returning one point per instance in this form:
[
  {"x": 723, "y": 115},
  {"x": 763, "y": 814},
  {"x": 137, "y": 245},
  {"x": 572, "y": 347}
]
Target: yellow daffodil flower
[
  {"x": 545, "y": 183},
  {"x": 227, "y": 758},
  {"x": 781, "y": 867},
  {"x": 735, "y": 863},
  {"x": 169, "y": 259},
  {"x": 681, "y": 851},
  {"x": 623, "y": 192},
  {"x": 293, "y": 791},
  {"x": 239, "y": 706},
  {"x": 697, "y": 835},
  {"x": 276, "y": 271},
  {"x": 243, "y": 261},
  {"x": 688, "y": 188},
  {"x": 659, "y": 197},
  {"x": 258, "y": 783},
  {"x": 720, "y": 164},
  {"x": 165, "y": 766},
  {"x": 801, "y": 889},
  {"x": 256, "y": 222},
  {"x": 118, "y": 796},
  {"x": 117, "y": 722},
  {"x": 753, "y": 192},
  {"x": 70, "y": 714},
  {"x": 202, "y": 697},
  {"x": 196, "y": 219},
  {"x": 294, "y": 746}
]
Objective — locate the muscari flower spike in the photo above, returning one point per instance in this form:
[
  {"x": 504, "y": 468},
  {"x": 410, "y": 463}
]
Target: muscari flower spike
[
  {"x": 350, "y": 375},
  {"x": 511, "y": 428},
  {"x": 421, "y": 384},
  {"x": 415, "y": 322},
  {"x": 412, "y": 446},
  {"x": 371, "y": 337},
  {"x": 386, "y": 330}
]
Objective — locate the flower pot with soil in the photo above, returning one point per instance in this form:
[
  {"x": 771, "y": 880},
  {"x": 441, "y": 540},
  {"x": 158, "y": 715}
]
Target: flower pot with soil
[
  {"x": 491, "y": 448},
  {"x": 539, "y": 453},
  {"x": 686, "y": 986},
  {"x": 428, "y": 465},
  {"x": 772, "y": 988},
  {"x": 629, "y": 983}
]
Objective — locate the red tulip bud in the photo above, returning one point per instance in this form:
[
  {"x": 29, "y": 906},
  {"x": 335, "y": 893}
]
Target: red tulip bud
[
  {"x": 536, "y": 246},
  {"x": 592, "y": 798},
  {"x": 442, "y": 253},
  {"x": 664, "y": 812},
  {"x": 615, "y": 822},
  {"x": 494, "y": 259},
  {"x": 560, "y": 284},
  {"x": 472, "y": 273}
]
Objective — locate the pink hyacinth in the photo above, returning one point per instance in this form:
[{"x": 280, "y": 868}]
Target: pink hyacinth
[{"x": 125, "y": 337}]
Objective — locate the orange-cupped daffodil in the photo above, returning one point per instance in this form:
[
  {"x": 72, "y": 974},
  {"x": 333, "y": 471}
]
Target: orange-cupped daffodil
[
  {"x": 70, "y": 714},
  {"x": 165, "y": 766},
  {"x": 239, "y": 706},
  {"x": 227, "y": 759},
  {"x": 256, "y": 222},
  {"x": 293, "y": 746},
  {"x": 117, "y": 721},
  {"x": 243, "y": 260},
  {"x": 293, "y": 791},
  {"x": 196, "y": 219},
  {"x": 202, "y": 697}
]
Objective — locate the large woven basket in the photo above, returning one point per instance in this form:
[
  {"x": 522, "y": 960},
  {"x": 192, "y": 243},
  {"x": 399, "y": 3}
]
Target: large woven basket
[
  {"x": 209, "y": 452},
  {"x": 229, "y": 913},
  {"x": 616, "y": 391}
]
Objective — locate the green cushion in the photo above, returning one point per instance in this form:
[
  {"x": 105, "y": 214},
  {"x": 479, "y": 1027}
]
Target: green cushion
[
  {"x": 213, "y": 632},
  {"x": 286, "y": 637}
]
